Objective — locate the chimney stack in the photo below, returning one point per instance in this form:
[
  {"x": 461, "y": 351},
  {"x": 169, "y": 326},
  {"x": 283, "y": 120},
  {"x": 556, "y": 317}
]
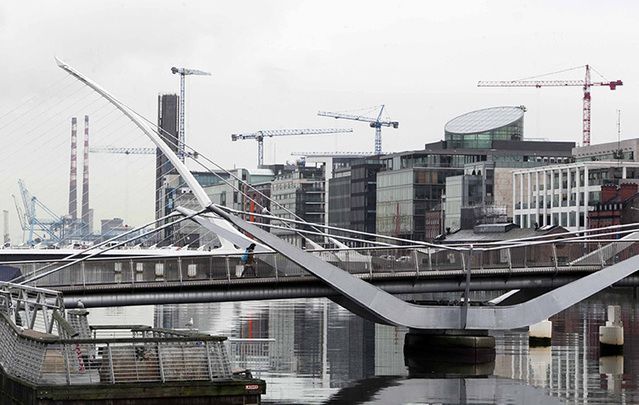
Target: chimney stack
[
  {"x": 73, "y": 176},
  {"x": 86, "y": 215}
]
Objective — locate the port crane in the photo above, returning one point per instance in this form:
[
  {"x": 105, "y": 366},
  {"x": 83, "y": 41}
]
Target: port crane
[
  {"x": 586, "y": 84},
  {"x": 51, "y": 226},
  {"x": 264, "y": 133},
  {"x": 183, "y": 72},
  {"x": 376, "y": 123}
]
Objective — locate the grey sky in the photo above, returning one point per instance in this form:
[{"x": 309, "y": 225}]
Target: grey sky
[{"x": 275, "y": 64}]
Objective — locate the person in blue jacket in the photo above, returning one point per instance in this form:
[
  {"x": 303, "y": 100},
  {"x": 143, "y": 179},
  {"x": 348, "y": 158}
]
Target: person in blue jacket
[{"x": 248, "y": 260}]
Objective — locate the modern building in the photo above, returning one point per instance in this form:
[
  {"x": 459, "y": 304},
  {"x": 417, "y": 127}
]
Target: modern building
[
  {"x": 353, "y": 196},
  {"x": 299, "y": 194},
  {"x": 339, "y": 199},
  {"x": 244, "y": 190},
  {"x": 564, "y": 194},
  {"x": 434, "y": 223},
  {"x": 479, "y": 129},
  {"x": 175, "y": 193},
  {"x": 331, "y": 162},
  {"x": 626, "y": 150},
  {"x": 364, "y": 194},
  {"x": 413, "y": 183},
  {"x": 168, "y": 105}
]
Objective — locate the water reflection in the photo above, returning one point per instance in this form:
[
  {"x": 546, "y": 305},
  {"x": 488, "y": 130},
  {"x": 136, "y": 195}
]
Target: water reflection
[
  {"x": 313, "y": 351},
  {"x": 395, "y": 390}
]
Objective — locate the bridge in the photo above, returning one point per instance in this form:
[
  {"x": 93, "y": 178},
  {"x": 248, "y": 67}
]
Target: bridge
[
  {"x": 563, "y": 269},
  {"x": 146, "y": 276}
]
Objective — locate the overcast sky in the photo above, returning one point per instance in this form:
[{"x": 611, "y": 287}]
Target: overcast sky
[{"x": 275, "y": 64}]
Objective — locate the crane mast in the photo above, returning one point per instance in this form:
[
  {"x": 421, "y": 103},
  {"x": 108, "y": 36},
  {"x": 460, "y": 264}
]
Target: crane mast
[
  {"x": 376, "y": 123},
  {"x": 183, "y": 72},
  {"x": 585, "y": 84},
  {"x": 268, "y": 133}
]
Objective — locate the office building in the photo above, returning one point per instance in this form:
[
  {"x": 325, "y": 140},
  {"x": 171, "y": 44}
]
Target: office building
[
  {"x": 353, "y": 196},
  {"x": 564, "y": 194},
  {"x": 413, "y": 183},
  {"x": 299, "y": 194}
]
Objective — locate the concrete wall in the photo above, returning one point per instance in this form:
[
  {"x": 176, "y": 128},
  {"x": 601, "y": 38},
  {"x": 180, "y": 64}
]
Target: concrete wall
[{"x": 503, "y": 189}]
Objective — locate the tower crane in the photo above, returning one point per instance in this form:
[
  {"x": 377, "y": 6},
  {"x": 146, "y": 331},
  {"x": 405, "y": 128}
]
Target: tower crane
[
  {"x": 183, "y": 72},
  {"x": 264, "y": 133},
  {"x": 124, "y": 151},
  {"x": 376, "y": 123},
  {"x": 133, "y": 151},
  {"x": 586, "y": 84}
]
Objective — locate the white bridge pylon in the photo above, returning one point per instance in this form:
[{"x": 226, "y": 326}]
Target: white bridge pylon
[{"x": 364, "y": 297}]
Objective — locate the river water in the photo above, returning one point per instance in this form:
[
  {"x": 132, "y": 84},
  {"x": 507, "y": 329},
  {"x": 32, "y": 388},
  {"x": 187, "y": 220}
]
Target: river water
[{"x": 315, "y": 352}]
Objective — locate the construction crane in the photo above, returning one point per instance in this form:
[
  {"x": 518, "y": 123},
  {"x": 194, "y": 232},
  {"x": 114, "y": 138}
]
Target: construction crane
[
  {"x": 333, "y": 154},
  {"x": 134, "y": 151},
  {"x": 264, "y": 133},
  {"x": 183, "y": 72},
  {"x": 52, "y": 226},
  {"x": 586, "y": 84},
  {"x": 376, "y": 123},
  {"x": 124, "y": 151}
]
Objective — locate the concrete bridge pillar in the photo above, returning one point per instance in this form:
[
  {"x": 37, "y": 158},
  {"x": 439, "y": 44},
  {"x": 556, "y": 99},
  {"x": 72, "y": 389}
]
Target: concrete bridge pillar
[
  {"x": 611, "y": 334},
  {"x": 540, "y": 334}
]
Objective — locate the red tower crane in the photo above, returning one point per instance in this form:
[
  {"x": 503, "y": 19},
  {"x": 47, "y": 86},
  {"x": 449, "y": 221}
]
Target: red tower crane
[{"x": 586, "y": 84}]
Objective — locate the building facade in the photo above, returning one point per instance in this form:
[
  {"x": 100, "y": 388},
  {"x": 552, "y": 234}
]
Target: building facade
[
  {"x": 299, "y": 194},
  {"x": 564, "y": 194},
  {"x": 413, "y": 183},
  {"x": 246, "y": 190},
  {"x": 626, "y": 150},
  {"x": 353, "y": 196},
  {"x": 618, "y": 205}
]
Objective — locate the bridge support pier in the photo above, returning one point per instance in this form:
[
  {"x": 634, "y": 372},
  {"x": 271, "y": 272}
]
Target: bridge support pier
[
  {"x": 540, "y": 334},
  {"x": 611, "y": 335},
  {"x": 461, "y": 352}
]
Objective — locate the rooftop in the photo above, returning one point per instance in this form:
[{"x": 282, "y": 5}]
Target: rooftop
[{"x": 484, "y": 120}]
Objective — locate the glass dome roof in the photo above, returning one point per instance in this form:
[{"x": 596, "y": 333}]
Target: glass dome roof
[{"x": 484, "y": 120}]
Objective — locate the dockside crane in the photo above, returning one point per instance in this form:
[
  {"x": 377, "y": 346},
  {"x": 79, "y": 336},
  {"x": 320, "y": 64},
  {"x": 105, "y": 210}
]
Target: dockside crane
[
  {"x": 267, "y": 133},
  {"x": 183, "y": 72},
  {"x": 52, "y": 226},
  {"x": 376, "y": 123},
  {"x": 586, "y": 84}
]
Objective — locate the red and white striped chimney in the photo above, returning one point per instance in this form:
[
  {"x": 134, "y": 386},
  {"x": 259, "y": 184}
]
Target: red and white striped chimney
[
  {"x": 86, "y": 216},
  {"x": 73, "y": 174}
]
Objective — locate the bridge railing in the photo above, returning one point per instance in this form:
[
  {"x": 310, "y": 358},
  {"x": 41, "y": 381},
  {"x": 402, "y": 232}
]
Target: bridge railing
[
  {"x": 144, "y": 356},
  {"x": 566, "y": 252}
]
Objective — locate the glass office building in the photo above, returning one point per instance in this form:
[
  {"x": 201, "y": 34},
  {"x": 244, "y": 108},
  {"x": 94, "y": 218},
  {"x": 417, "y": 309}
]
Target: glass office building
[{"x": 479, "y": 129}]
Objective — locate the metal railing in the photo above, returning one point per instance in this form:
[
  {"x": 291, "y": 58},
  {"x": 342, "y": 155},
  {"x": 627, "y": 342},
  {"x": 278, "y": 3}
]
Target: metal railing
[
  {"x": 545, "y": 255},
  {"x": 367, "y": 263},
  {"x": 146, "y": 355}
]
